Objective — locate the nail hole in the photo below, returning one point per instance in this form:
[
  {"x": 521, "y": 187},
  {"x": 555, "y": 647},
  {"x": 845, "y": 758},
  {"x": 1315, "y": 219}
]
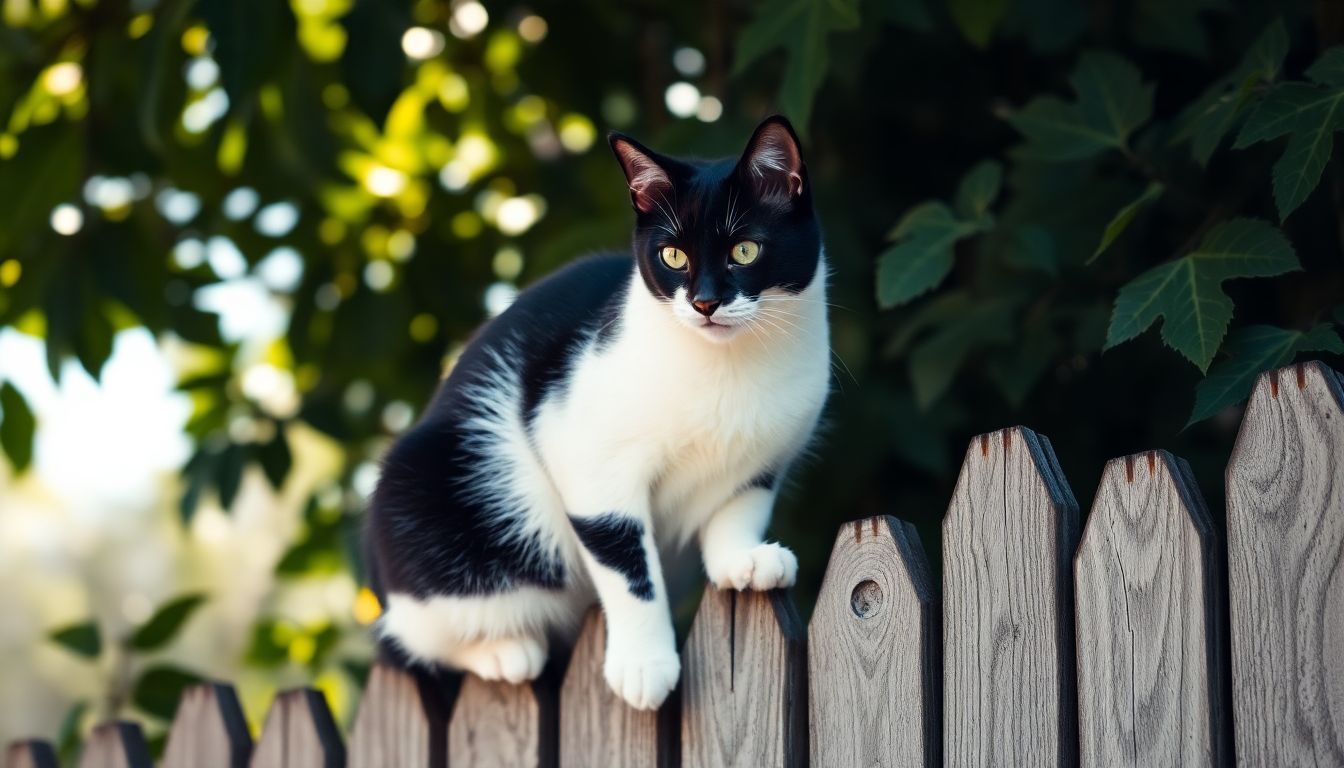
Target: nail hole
[{"x": 866, "y": 599}]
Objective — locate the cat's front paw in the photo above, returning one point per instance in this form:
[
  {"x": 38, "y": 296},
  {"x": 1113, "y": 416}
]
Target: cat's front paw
[
  {"x": 642, "y": 678},
  {"x": 764, "y": 566}
]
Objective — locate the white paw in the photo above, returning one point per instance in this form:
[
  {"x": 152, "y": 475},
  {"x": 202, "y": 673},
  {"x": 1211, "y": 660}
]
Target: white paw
[
  {"x": 764, "y": 566},
  {"x": 642, "y": 678},
  {"x": 512, "y": 659}
]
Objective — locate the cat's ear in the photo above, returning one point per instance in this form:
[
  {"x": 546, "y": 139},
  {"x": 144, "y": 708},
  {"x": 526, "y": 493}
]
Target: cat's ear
[
  {"x": 645, "y": 172},
  {"x": 773, "y": 160}
]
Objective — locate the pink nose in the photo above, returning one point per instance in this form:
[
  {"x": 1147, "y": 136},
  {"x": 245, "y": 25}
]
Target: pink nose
[{"x": 705, "y": 308}]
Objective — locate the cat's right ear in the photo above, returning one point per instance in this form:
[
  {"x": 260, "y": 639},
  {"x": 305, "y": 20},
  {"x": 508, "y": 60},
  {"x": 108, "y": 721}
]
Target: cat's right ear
[{"x": 644, "y": 172}]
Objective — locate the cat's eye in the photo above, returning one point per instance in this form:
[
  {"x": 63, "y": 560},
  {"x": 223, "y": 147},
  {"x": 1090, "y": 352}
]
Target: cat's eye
[
  {"x": 673, "y": 257},
  {"x": 746, "y": 252}
]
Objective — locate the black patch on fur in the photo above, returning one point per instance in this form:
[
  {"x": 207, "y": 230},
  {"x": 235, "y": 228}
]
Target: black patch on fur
[
  {"x": 766, "y": 480},
  {"x": 617, "y": 541}
]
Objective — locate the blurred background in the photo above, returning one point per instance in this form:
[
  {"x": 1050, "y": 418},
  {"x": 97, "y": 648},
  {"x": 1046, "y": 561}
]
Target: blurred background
[{"x": 241, "y": 240}]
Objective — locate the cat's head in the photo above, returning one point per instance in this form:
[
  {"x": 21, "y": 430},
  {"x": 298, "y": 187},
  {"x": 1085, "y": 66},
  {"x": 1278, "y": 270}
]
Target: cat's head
[{"x": 718, "y": 241}]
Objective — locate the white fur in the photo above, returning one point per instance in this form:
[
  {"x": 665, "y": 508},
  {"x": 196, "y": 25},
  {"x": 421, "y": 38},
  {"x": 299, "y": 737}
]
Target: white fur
[{"x": 667, "y": 422}]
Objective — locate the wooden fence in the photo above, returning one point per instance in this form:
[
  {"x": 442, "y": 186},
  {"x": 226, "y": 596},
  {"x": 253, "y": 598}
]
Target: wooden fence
[{"x": 1115, "y": 645}]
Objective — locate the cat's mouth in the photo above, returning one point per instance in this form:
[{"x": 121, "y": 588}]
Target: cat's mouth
[{"x": 717, "y": 330}]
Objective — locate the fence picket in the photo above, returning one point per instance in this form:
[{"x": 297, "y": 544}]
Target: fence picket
[
  {"x": 1285, "y": 530},
  {"x": 401, "y": 721},
  {"x": 30, "y": 754},
  {"x": 597, "y": 728},
  {"x": 498, "y": 725},
  {"x": 115, "y": 745},
  {"x": 299, "y": 732},
  {"x": 744, "y": 701},
  {"x": 1150, "y": 660},
  {"x": 874, "y": 653},
  {"x": 1008, "y": 648},
  {"x": 208, "y": 730}
]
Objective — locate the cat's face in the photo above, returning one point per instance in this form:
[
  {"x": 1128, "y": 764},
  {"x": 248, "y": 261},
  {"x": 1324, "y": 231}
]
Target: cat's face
[{"x": 717, "y": 242}]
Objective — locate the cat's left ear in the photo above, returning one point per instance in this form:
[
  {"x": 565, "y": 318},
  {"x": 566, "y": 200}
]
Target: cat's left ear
[{"x": 773, "y": 160}]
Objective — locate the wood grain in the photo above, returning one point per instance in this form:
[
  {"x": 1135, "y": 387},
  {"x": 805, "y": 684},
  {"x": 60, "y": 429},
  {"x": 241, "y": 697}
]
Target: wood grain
[
  {"x": 1149, "y": 651},
  {"x": 401, "y": 721},
  {"x": 30, "y": 754},
  {"x": 1285, "y": 536},
  {"x": 744, "y": 682},
  {"x": 299, "y": 732},
  {"x": 1008, "y": 543},
  {"x": 874, "y": 651},
  {"x": 498, "y": 725},
  {"x": 208, "y": 730},
  {"x": 115, "y": 745},
  {"x": 597, "y": 727}
]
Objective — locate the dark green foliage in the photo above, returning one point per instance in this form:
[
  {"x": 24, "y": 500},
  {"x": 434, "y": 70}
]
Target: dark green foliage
[
  {"x": 159, "y": 688},
  {"x": 82, "y": 639},
  {"x": 166, "y": 622}
]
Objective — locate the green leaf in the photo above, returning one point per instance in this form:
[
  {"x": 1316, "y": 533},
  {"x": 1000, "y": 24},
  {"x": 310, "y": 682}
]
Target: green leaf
[
  {"x": 1209, "y": 118},
  {"x": 1124, "y": 216},
  {"x": 803, "y": 28},
  {"x": 977, "y": 19},
  {"x": 935, "y": 361},
  {"x": 1187, "y": 292},
  {"x": 920, "y": 261},
  {"x": 1112, "y": 102},
  {"x": 252, "y": 38},
  {"x": 1250, "y": 352},
  {"x": 81, "y": 639},
  {"x": 275, "y": 459},
  {"x": 17, "y": 428},
  {"x": 1309, "y": 114},
  {"x": 1032, "y": 247},
  {"x": 164, "y": 625},
  {"x": 978, "y": 189},
  {"x": 159, "y": 689},
  {"x": 68, "y": 736}
]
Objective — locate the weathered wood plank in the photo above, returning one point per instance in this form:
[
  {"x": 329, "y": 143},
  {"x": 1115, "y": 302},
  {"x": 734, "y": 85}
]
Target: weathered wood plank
[
  {"x": 31, "y": 753},
  {"x": 299, "y": 732},
  {"x": 208, "y": 730},
  {"x": 744, "y": 682},
  {"x": 498, "y": 725},
  {"x": 874, "y": 651},
  {"x": 402, "y": 721},
  {"x": 1008, "y": 636},
  {"x": 115, "y": 745},
  {"x": 1150, "y": 657},
  {"x": 1285, "y": 536},
  {"x": 597, "y": 727}
]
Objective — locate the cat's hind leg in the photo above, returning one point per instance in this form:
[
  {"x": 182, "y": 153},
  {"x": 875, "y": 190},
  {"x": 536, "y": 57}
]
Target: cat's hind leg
[{"x": 511, "y": 659}]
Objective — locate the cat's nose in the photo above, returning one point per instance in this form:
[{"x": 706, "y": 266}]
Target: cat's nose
[{"x": 705, "y": 308}]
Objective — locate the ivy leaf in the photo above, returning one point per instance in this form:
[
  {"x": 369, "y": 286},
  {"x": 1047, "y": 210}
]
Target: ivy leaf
[
  {"x": 1251, "y": 351},
  {"x": 159, "y": 689},
  {"x": 1124, "y": 216},
  {"x": 80, "y": 639},
  {"x": 17, "y": 427},
  {"x": 923, "y": 257},
  {"x": 1187, "y": 292},
  {"x": 978, "y": 189},
  {"x": 1309, "y": 114},
  {"x": 1209, "y": 118},
  {"x": 1112, "y": 102},
  {"x": 977, "y": 19},
  {"x": 164, "y": 625},
  {"x": 803, "y": 28}
]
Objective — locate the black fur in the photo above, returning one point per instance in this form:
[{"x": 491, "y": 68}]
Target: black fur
[{"x": 617, "y": 541}]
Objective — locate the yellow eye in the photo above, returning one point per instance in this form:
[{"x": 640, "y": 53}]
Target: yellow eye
[
  {"x": 746, "y": 252},
  {"x": 673, "y": 257}
]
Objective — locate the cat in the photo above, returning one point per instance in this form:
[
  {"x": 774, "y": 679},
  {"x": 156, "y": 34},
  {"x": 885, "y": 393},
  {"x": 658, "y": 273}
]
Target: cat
[{"x": 617, "y": 409}]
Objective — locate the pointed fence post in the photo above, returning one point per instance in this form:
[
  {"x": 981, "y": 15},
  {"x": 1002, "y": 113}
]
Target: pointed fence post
[
  {"x": 1285, "y": 539},
  {"x": 1008, "y": 638},
  {"x": 402, "y": 721},
  {"x": 208, "y": 730},
  {"x": 597, "y": 728},
  {"x": 299, "y": 733},
  {"x": 874, "y": 651},
  {"x": 1150, "y": 650},
  {"x": 498, "y": 725},
  {"x": 115, "y": 745},
  {"x": 744, "y": 682},
  {"x": 31, "y": 753}
]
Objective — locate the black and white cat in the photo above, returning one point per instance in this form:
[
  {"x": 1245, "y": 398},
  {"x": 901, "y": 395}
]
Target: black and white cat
[{"x": 618, "y": 408}]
